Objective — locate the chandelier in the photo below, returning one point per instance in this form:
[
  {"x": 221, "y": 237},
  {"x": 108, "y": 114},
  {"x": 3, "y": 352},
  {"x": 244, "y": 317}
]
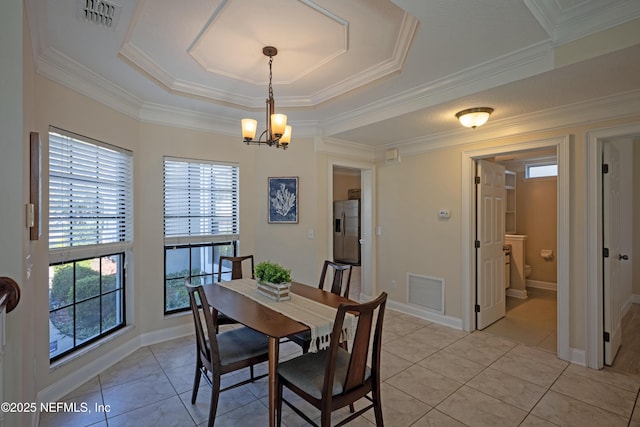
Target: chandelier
[{"x": 277, "y": 134}]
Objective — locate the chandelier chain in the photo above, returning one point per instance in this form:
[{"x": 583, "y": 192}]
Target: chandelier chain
[{"x": 270, "y": 76}]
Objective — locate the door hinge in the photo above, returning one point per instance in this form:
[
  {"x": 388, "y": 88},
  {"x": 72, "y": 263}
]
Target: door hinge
[
  {"x": 606, "y": 337},
  {"x": 605, "y": 252},
  {"x": 476, "y": 244},
  {"x": 477, "y": 180},
  {"x": 605, "y": 168},
  {"x": 477, "y": 308}
]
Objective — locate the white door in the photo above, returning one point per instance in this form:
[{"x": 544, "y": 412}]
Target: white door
[
  {"x": 490, "y": 206},
  {"x": 611, "y": 227}
]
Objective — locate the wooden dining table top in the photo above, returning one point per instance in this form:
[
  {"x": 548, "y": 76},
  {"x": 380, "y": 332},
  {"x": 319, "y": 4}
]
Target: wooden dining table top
[{"x": 261, "y": 318}]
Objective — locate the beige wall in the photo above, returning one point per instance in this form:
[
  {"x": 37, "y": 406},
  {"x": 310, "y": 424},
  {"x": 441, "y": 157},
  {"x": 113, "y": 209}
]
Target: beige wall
[
  {"x": 414, "y": 239},
  {"x": 343, "y": 182},
  {"x": 536, "y": 216}
]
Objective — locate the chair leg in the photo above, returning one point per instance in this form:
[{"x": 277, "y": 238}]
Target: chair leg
[
  {"x": 196, "y": 383},
  {"x": 251, "y": 371},
  {"x": 377, "y": 406},
  {"x": 278, "y": 403},
  {"x": 215, "y": 393}
]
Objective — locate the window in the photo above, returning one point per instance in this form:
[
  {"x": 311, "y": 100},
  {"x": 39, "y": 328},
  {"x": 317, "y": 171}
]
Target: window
[
  {"x": 90, "y": 234},
  {"x": 200, "y": 224},
  {"x": 541, "y": 170}
]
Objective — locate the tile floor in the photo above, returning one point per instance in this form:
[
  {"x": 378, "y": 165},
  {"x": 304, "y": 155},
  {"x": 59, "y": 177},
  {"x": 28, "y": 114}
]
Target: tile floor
[
  {"x": 531, "y": 321},
  {"x": 432, "y": 376}
]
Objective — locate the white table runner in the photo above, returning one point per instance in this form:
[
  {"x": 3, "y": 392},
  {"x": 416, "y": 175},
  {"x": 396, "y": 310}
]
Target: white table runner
[{"x": 317, "y": 316}]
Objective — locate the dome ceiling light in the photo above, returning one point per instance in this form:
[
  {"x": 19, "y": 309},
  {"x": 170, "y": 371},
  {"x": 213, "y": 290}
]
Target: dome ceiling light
[{"x": 474, "y": 117}]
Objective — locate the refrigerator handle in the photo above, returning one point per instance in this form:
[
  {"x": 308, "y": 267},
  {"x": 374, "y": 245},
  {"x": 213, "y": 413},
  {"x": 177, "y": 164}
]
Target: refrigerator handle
[{"x": 343, "y": 216}]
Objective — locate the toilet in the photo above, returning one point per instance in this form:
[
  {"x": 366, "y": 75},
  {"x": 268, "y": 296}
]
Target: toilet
[{"x": 527, "y": 270}]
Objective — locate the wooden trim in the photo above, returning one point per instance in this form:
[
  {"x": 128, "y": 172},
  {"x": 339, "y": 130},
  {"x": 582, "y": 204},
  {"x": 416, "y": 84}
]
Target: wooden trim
[{"x": 35, "y": 168}]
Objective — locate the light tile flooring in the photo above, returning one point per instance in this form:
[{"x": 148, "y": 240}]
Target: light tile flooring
[
  {"x": 531, "y": 321},
  {"x": 432, "y": 376}
]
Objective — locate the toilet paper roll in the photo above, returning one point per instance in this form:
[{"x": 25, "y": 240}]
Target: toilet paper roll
[{"x": 546, "y": 254}]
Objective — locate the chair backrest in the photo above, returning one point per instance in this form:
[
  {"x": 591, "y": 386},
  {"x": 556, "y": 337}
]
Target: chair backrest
[
  {"x": 208, "y": 354},
  {"x": 236, "y": 266},
  {"x": 341, "y": 277},
  {"x": 368, "y": 313}
]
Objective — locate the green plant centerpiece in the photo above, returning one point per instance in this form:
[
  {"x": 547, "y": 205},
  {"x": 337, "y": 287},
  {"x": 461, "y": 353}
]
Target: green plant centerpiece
[{"x": 273, "y": 280}]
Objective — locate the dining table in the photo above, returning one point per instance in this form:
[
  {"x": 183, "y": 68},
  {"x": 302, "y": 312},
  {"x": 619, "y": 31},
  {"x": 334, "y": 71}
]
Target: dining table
[{"x": 267, "y": 321}]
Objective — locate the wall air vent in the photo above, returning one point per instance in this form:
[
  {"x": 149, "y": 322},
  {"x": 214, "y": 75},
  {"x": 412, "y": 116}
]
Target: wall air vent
[
  {"x": 426, "y": 292},
  {"x": 99, "y": 12}
]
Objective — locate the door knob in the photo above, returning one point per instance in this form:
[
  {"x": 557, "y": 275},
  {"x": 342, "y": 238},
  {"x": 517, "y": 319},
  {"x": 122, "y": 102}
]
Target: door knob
[{"x": 623, "y": 257}]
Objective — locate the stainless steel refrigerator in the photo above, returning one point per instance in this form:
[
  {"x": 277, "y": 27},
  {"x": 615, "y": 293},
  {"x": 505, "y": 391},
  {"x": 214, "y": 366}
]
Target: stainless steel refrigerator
[{"x": 346, "y": 231}]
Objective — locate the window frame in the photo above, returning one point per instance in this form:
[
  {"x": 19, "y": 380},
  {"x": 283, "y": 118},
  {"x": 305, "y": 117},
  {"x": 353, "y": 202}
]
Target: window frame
[
  {"x": 201, "y": 199},
  {"x": 194, "y": 279},
  {"x": 529, "y": 165},
  {"x": 88, "y": 247}
]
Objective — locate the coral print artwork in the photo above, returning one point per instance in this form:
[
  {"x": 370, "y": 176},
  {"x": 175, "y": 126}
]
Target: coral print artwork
[{"x": 283, "y": 200}]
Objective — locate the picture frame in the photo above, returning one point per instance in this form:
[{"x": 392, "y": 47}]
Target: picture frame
[
  {"x": 283, "y": 200},
  {"x": 35, "y": 187}
]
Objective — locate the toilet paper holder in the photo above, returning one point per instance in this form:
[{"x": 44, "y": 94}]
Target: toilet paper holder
[{"x": 546, "y": 254}]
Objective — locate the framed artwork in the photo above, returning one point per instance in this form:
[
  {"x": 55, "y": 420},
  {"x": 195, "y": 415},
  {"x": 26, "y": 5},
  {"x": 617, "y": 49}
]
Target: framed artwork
[{"x": 283, "y": 200}]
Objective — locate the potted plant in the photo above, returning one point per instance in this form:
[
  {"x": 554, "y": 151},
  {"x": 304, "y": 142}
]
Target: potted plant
[
  {"x": 270, "y": 272},
  {"x": 273, "y": 280}
]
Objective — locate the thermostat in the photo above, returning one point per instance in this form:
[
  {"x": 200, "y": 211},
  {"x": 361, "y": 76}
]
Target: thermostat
[{"x": 444, "y": 213}]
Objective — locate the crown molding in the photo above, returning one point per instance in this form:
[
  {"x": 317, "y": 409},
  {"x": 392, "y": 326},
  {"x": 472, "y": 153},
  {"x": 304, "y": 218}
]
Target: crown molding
[
  {"x": 61, "y": 69},
  {"x": 584, "y": 19},
  {"x": 354, "y": 150},
  {"x": 508, "y": 68},
  {"x": 596, "y": 110},
  {"x": 188, "y": 119},
  {"x": 141, "y": 61},
  {"x": 408, "y": 30}
]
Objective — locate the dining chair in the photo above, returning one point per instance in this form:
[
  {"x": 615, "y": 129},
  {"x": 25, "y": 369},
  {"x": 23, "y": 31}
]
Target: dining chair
[
  {"x": 341, "y": 282},
  {"x": 236, "y": 273},
  {"x": 236, "y": 266},
  {"x": 334, "y": 378},
  {"x": 341, "y": 279},
  {"x": 221, "y": 353}
]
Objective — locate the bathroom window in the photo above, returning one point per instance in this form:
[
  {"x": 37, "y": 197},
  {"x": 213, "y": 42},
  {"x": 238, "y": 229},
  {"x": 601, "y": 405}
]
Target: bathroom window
[{"x": 541, "y": 170}]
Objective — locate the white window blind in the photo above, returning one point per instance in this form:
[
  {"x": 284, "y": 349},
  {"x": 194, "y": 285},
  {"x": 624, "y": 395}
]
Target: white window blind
[
  {"x": 200, "y": 201},
  {"x": 90, "y": 197}
]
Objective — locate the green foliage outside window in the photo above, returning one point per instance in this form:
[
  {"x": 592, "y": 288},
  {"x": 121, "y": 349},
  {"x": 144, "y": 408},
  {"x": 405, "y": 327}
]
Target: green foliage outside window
[{"x": 93, "y": 304}]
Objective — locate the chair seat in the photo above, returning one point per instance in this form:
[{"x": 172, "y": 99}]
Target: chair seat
[
  {"x": 307, "y": 372},
  {"x": 241, "y": 344}
]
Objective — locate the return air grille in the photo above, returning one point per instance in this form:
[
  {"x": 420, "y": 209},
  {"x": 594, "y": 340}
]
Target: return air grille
[
  {"x": 426, "y": 292},
  {"x": 99, "y": 12}
]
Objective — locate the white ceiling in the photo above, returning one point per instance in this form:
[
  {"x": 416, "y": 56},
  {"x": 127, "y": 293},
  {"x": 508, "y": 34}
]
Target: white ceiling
[{"x": 372, "y": 72}]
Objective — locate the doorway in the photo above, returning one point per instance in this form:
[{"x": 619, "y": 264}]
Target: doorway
[
  {"x": 530, "y": 241},
  {"x": 594, "y": 267},
  {"x": 561, "y": 145},
  {"x": 367, "y": 270}
]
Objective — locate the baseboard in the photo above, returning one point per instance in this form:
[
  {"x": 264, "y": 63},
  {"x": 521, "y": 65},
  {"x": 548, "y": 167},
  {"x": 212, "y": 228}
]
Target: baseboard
[
  {"x": 104, "y": 361},
  {"x": 578, "y": 357},
  {"x": 517, "y": 293},
  {"x": 452, "y": 322},
  {"x": 538, "y": 284}
]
